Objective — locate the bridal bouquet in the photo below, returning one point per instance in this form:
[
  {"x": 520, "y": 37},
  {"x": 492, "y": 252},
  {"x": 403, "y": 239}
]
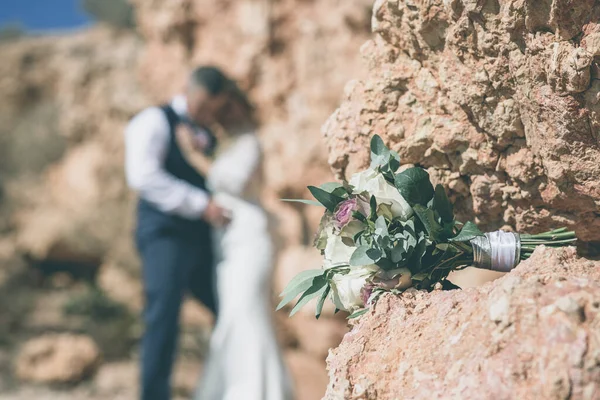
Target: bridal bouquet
[{"x": 385, "y": 231}]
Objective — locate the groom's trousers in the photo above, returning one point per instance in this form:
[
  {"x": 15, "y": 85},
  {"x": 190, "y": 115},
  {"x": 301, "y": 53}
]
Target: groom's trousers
[{"x": 173, "y": 264}]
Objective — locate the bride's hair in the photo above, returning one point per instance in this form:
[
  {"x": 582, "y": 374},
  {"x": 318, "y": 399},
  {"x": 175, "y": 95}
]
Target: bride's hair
[{"x": 239, "y": 112}]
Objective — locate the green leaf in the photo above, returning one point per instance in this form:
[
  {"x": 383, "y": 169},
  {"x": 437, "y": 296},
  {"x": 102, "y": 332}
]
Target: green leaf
[
  {"x": 374, "y": 254},
  {"x": 414, "y": 185},
  {"x": 414, "y": 262},
  {"x": 380, "y": 154},
  {"x": 447, "y": 285},
  {"x": 335, "y": 188},
  {"x": 373, "y": 204},
  {"x": 385, "y": 264},
  {"x": 359, "y": 216},
  {"x": 299, "y": 284},
  {"x": 360, "y": 257},
  {"x": 319, "y": 285},
  {"x": 329, "y": 201},
  {"x": 309, "y": 202},
  {"x": 381, "y": 228},
  {"x": 348, "y": 241},
  {"x": 398, "y": 251},
  {"x": 394, "y": 163},
  {"x": 358, "y": 313},
  {"x": 468, "y": 232},
  {"x": 385, "y": 210},
  {"x": 419, "y": 277},
  {"x": 377, "y": 146},
  {"x": 426, "y": 216},
  {"x": 321, "y": 301},
  {"x": 442, "y": 204},
  {"x": 331, "y": 186}
]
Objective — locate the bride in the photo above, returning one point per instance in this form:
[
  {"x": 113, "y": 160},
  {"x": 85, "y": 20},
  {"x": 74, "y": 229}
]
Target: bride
[{"x": 244, "y": 361}]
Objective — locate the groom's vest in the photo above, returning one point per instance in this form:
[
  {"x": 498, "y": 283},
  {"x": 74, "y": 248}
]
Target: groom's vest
[{"x": 150, "y": 219}]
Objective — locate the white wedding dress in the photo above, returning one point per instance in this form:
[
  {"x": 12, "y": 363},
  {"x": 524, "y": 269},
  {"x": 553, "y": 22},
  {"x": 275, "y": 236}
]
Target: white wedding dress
[{"x": 244, "y": 361}]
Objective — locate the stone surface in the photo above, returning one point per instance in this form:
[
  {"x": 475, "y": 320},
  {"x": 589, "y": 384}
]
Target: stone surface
[
  {"x": 497, "y": 99},
  {"x": 57, "y": 358},
  {"x": 532, "y": 334}
]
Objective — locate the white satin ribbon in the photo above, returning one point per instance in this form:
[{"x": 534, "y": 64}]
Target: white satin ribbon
[{"x": 497, "y": 251}]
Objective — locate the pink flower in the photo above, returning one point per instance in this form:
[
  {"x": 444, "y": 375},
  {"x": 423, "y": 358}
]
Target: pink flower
[
  {"x": 366, "y": 292},
  {"x": 343, "y": 213}
]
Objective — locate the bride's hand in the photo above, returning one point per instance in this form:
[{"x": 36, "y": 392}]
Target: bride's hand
[{"x": 187, "y": 144}]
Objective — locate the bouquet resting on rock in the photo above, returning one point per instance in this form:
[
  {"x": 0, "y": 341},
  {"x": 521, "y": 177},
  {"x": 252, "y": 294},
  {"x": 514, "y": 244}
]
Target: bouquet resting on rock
[{"x": 385, "y": 231}]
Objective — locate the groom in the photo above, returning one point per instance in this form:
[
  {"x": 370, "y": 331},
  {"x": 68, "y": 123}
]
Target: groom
[{"x": 175, "y": 213}]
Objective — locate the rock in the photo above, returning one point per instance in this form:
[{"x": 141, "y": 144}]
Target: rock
[
  {"x": 120, "y": 286},
  {"x": 57, "y": 358},
  {"x": 114, "y": 380},
  {"x": 497, "y": 96},
  {"x": 531, "y": 334}
]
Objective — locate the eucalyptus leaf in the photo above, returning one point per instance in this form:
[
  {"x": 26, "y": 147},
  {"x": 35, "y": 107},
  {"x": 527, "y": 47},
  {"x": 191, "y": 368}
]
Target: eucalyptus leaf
[
  {"x": 331, "y": 186},
  {"x": 380, "y": 154},
  {"x": 426, "y": 216},
  {"x": 321, "y": 301},
  {"x": 359, "y": 216},
  {"x": 385, "y": 210},
  {"x": 398, "y": 251},
  {"x": 394, "y": 161},
  {"x": 373, "y": 205},
  {"x": 386, "y": 264},
  {"x": 442, "y": 204},
  {"x": 384, "y": 242},
  {"x": 409, "y": 225},
  {"x": 317, "y": 288},
  {"x": 309, "y": 202},
  {"x": 414, "y": 185},
  {"x": 468, "y": 232},
  {"x": 300, "y": 283},
  {"x": 378, "y": 161},
  {"x": 419, "y": 277},
  {"x": 329, "y": 201},
  {"x": 374, "y": 254},
  {"x": 378, "y": 148},
  {"x": 381, "y": 228},
  {"x": 358, "y": 313},
  {"x": 415, "y": 261},
  {"x": 360, "y": 257}
]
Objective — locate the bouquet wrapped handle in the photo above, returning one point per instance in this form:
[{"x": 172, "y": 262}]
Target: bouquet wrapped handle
[{"x": 497, "y": 251}]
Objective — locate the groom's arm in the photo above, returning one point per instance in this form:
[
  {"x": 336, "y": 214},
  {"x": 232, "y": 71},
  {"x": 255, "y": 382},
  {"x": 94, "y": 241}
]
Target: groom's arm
[{"x": 146, "y": 146}]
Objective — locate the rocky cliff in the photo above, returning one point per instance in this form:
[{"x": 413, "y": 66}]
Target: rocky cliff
[
  {"x": 532, "y": 334},
  {"x": 498, "y": 100}
]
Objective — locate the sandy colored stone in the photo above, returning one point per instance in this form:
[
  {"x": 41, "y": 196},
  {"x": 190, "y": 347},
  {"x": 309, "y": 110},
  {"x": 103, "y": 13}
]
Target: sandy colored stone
[
  {"x": 497, "y": 97},
  {"x": 532, "y": 334},
  {"x": 57, "y": 358}
]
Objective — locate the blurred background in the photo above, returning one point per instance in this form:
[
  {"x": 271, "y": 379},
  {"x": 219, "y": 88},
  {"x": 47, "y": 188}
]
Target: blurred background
[{"x": 73, "y": 73}]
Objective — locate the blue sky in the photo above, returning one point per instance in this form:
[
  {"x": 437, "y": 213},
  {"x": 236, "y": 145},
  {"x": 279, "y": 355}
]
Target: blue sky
[{"x": 42, "y": 15}]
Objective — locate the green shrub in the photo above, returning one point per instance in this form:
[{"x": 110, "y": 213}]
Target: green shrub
[{"x": 118, "y": 13}]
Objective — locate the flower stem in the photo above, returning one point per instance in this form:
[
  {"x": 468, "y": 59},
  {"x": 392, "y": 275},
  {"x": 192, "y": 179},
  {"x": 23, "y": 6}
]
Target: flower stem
[{"x": 554, "y": 238}]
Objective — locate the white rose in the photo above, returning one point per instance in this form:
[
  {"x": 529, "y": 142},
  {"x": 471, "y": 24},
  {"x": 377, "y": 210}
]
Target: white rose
[
  {"x": 347, "y": 289},
  {"x": 336, "y": 252},
  {"x": 375, "y": 184}
]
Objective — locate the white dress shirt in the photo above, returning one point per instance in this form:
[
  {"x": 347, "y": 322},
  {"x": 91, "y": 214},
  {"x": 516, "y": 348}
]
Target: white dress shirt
[{"x": 147, "y": 139}]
